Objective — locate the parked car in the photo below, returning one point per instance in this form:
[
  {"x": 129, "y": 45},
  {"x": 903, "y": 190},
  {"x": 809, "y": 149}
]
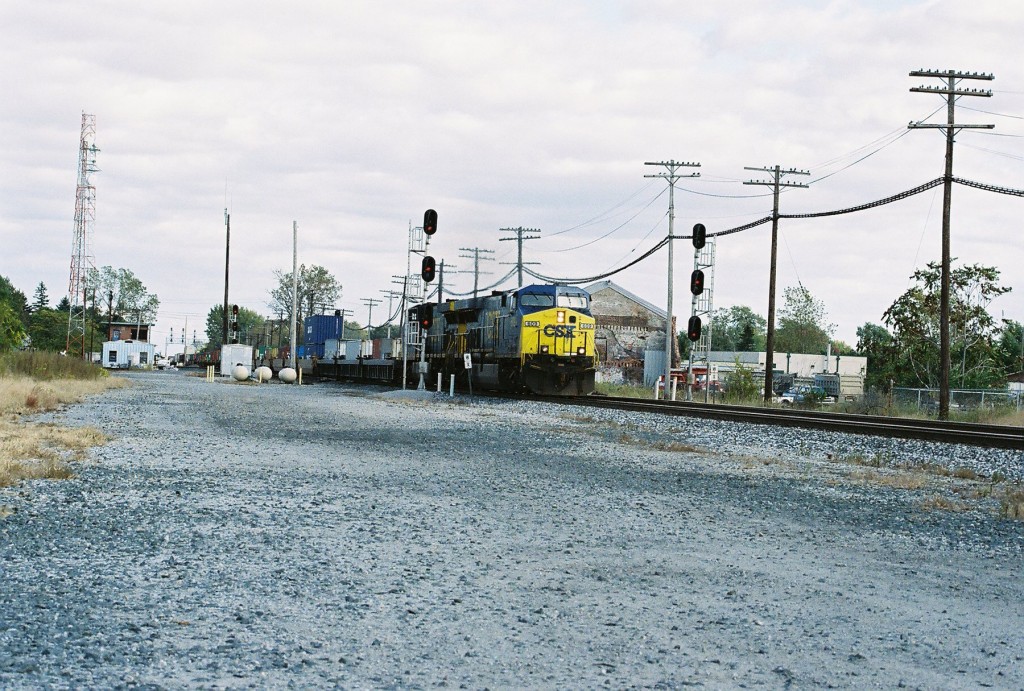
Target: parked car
[{"x": 806, "y": 395}]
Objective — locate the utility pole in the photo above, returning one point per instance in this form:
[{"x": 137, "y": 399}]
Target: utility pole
[
  {"x": 227, "y": 264},
  {"x": 475, "y": 256},
  {"x": 670, "y": 176},
  {"x": 776, "y": 182},
  {"x": 440, "y": 281},
  {"x": 950, "y": 90},
  {"x": 370, "y": 302},
  {"x": 391, "y": 294},
  {"x": 295, "y": 290},
  {"x": 519, "y": 234}
]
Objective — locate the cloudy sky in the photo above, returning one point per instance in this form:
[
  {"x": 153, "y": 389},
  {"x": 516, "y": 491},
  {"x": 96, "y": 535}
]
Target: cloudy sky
[{"x": 353, "y": 117}]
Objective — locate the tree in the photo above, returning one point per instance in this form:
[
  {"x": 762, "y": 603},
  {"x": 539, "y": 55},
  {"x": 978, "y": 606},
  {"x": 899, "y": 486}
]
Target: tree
[
  {"x": 13, "y": 298},
  {"x": 48, "y": 330},
  {"x": 876, "y": 344},
  {"x": 12, "y": 331},
  {"x": 1010, "y": 347},
  {"x": 738, "y": 328},
  {"x": 250, "y": 325},
  {"x": 131, "y": 300},
  {"x": 317, "y": 289},
  {"x": 914, "y": 320},
  {"x": 40, "y": 299},
  {"x": 803, "y": 325}
]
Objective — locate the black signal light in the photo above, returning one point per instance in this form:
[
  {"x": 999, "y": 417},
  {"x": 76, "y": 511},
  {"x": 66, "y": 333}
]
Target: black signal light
[
  {"x": 693, "y": 328},
  {"x": 430, "y": 222},
  {"x": 697, "y": 282},
  {"x": 426, "y": 315},
  {"x": 428, "y": 269},
  {"x": 700, "y": 234}
]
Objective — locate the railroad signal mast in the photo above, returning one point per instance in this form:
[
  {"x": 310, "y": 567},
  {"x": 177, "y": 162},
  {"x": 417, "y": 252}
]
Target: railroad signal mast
[
  {"x": 951, "y": 90},
  {"x": 419, "y": 241},
  {"x": 83, "y": 263},
  {"x": 702, "y": 287}
]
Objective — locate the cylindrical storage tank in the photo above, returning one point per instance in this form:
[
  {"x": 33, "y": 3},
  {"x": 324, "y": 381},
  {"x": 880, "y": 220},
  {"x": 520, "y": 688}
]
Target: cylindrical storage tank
[
  {"x": 287, "y": 375},
  {"x": 264, "y": 373},
  {"x": 240, "y": 373}
]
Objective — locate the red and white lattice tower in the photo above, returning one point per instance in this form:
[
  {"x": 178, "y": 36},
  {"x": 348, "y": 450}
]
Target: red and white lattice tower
[{"x": 83, "y": 264}]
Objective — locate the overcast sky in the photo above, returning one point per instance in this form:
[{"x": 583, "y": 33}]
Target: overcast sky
[{"x": 352, "y": 118}]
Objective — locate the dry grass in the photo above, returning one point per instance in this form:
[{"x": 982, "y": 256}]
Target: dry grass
[
  {"x": 31, "y": 450},
  {"x": 937, "y": 502},
  {"x": 896, "y": 480},
  {"x": 1011, "y": 504}
]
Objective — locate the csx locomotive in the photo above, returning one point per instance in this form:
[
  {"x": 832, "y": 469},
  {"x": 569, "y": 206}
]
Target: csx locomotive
[{"x": 538, "y": 338}]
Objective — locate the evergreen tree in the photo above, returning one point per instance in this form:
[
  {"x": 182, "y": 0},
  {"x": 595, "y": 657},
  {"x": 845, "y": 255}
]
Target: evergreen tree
[{"x": 40, "y": 299}]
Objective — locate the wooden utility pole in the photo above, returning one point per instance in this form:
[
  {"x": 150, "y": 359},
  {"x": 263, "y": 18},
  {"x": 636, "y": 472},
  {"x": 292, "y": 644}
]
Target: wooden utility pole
[
  {"x": 950, "y": 81},
  {"x": 475, "y": 256},
  {"x": 519, "y": 234},
  {"x": 776, "y": 182},
  {"x": 670, "y": 175}
]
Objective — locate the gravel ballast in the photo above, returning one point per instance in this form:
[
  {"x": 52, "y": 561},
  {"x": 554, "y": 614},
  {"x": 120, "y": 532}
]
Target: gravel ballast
[{"x": 240, "y": 535}]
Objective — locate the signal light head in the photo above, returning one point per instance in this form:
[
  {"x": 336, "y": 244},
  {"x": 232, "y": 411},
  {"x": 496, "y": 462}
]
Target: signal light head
[
  {"x": 699, "y": 236},
  {"x": 428, "y": 268},
  {"x": 693, "y": 328},
  {"x": 430, "y": 222},
  {"x": 697, "y": 282},
  {"x": 426, "y": 315}
]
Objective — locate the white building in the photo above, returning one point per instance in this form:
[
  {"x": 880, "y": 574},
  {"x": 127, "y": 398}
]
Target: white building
[{"x": 125, "y": 354}]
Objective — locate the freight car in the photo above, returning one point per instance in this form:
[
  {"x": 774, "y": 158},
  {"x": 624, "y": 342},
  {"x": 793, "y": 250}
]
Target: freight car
[{"x": 538, "y": 338}]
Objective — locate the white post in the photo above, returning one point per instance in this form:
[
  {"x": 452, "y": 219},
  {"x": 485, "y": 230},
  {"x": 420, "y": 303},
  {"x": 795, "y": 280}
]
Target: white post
[
  {"x": 674, "y": 383},
  {"x": 439, "y": 376},
  {"x": 451, "y": 388}
]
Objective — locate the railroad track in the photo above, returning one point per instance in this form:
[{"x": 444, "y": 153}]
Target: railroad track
[{"x": 995, "y": 436}]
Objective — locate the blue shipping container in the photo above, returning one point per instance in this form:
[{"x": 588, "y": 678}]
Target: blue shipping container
[{"x": 319, "y": 328}]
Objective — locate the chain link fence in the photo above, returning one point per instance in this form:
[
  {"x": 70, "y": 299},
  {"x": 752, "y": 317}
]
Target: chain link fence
[{"x": 961, "y": 399}]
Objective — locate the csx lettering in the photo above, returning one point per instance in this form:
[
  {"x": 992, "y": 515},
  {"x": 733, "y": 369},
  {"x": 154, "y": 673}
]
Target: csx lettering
[{"x": 559, "y": 330}]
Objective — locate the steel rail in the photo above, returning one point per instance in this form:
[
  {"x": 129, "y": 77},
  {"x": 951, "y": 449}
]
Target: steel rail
[{"x": 974, "y": 434}]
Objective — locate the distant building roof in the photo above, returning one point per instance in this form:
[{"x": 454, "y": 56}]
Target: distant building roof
[{"x": 657, "y": 311}]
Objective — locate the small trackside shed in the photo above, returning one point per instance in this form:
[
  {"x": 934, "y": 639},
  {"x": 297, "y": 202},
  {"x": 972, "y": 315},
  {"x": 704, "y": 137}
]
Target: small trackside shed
[{"x": 126, "y": 354}]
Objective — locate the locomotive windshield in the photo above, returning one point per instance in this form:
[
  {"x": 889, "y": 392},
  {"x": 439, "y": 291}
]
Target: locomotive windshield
[
  {"x": 536, "y": 300},
  {"x": 576, "y": 301}
]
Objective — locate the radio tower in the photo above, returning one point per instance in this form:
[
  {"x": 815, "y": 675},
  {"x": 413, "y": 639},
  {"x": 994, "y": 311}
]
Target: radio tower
[{"x": 83, "y": 264}]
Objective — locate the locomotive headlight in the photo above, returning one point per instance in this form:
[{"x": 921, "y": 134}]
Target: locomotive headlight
[
  {"x": 581, "y": 351},
  {"x": 543, "y": 349},
  {"x": 560, "y": 316}
]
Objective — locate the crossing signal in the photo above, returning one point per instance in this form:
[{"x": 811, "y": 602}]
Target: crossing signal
[
  {"x": 426, "y": 315},
  {"x": 428, "y": 269},
  {"x": 697, "y": 282},
  {"x": 700, "y": 234},
  {"x": 693, "y": 328},
  {"x": 430, "y": 222}
]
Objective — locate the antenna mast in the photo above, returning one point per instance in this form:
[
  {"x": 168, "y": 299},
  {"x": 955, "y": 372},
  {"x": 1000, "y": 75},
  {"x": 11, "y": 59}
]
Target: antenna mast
[{"x": 83, "y": 263}]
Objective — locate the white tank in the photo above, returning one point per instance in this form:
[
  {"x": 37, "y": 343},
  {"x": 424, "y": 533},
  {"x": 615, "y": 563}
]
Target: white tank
[
  {"x": 287, "y": 375},
  {"x": 240, "y": 372},
  {"x": 264, "y": 373}
]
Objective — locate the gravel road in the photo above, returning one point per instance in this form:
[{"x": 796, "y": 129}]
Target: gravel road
[{"x": 272, "y": 536}]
